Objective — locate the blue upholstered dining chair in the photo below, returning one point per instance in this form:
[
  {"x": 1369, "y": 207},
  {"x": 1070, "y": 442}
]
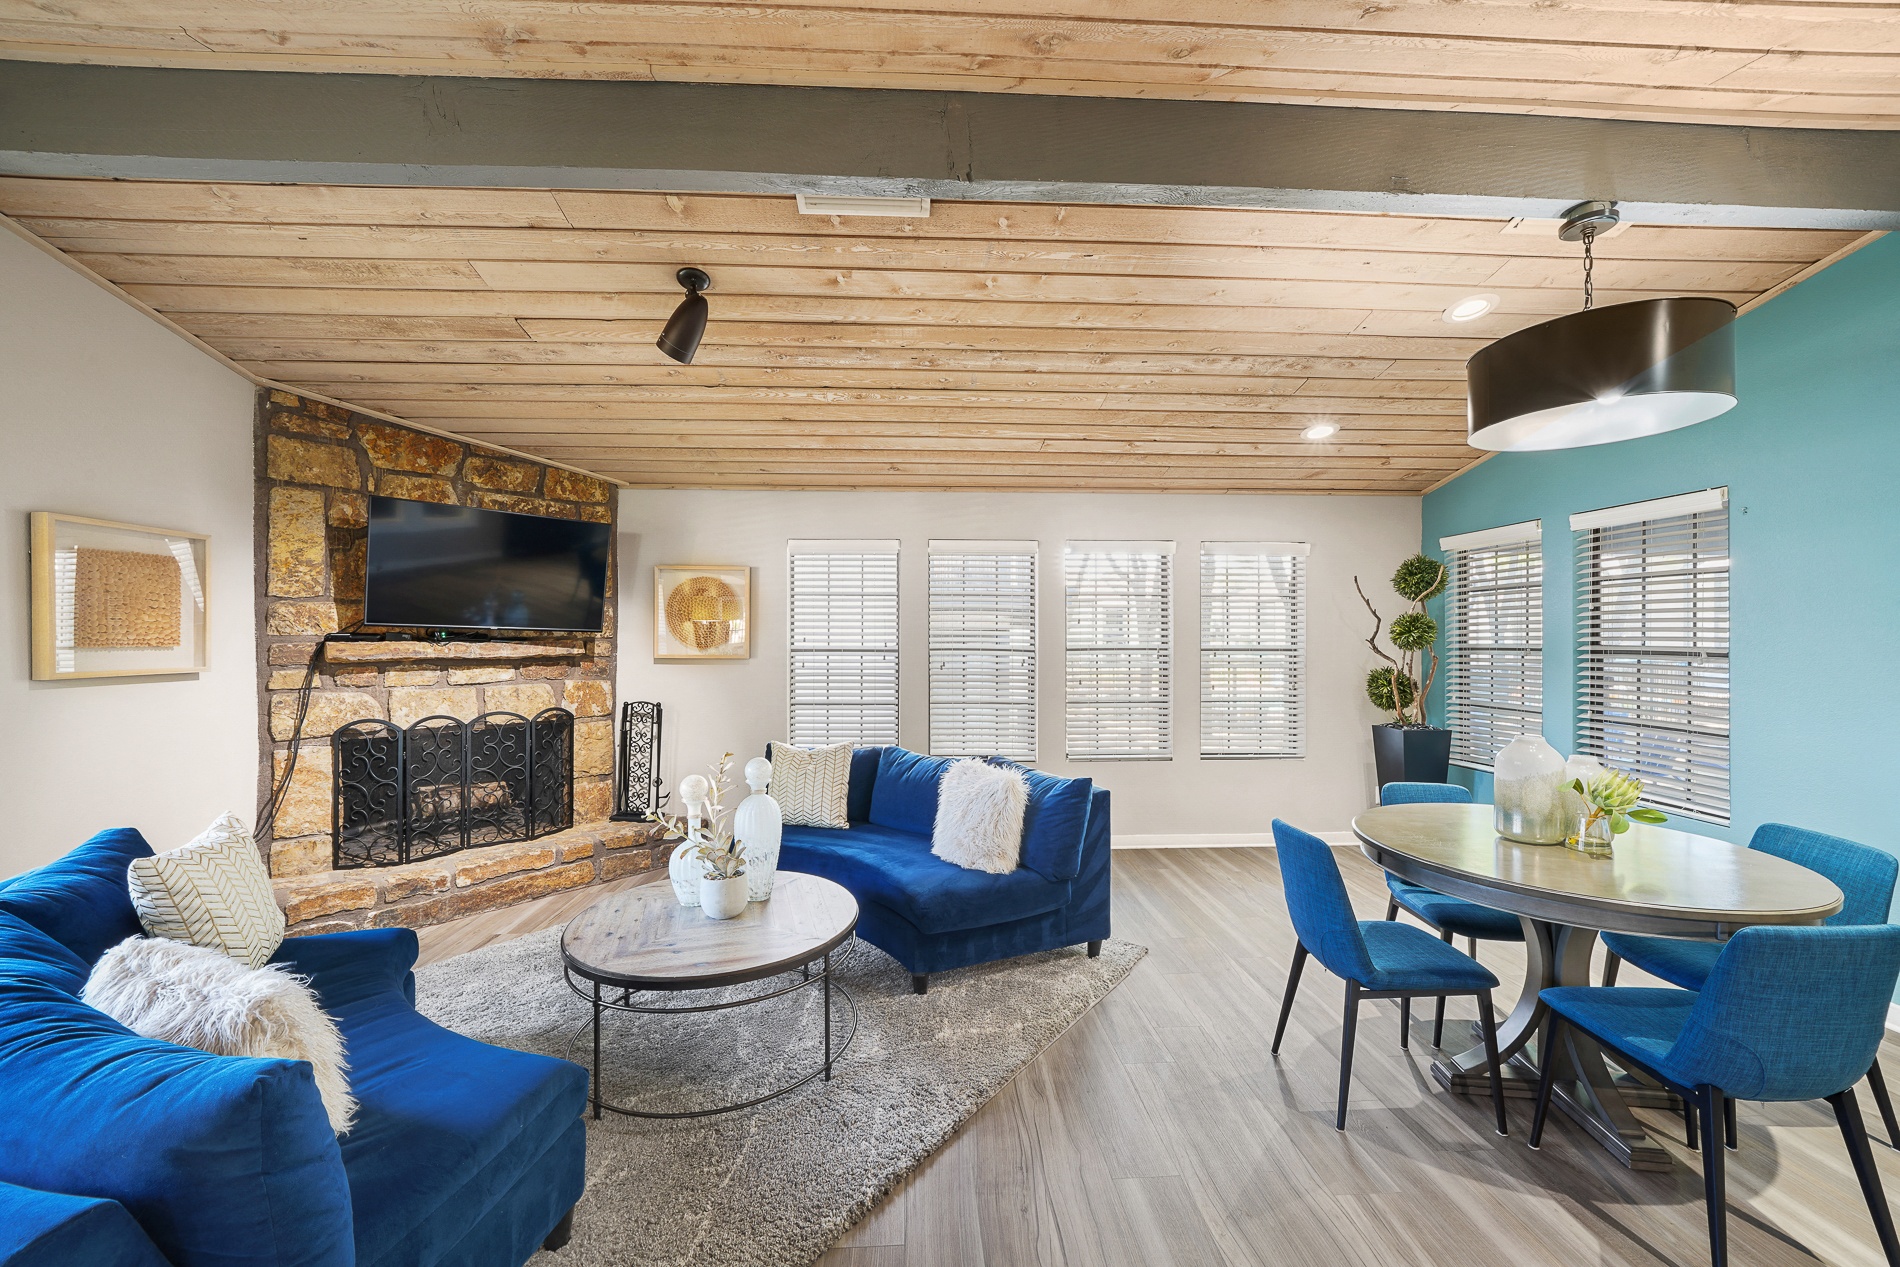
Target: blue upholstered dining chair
[
  {"x": 1451, "y": 916},
  {"x": 1865, "y": 877},
  {"x": 1378, "y": 959},
  {"x": 1785, "y": 1014}
]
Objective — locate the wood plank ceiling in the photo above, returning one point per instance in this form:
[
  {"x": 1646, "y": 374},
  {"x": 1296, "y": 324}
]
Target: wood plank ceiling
[
  {"x": 1025, "y": 346},
  {"x": 1769, "y": 62}
]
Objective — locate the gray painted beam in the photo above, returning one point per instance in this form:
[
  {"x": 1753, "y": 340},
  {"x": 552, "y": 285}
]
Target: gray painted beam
[{"x": 130, "y": 122}]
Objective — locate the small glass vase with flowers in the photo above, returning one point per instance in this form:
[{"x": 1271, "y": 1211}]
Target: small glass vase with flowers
[{"x": 1609, "y": 807}]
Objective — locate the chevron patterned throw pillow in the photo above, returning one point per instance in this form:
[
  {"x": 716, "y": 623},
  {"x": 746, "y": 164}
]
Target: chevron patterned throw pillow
[
  {"x": 213, "y": 892},
  {"x": 812, "y": 785}
]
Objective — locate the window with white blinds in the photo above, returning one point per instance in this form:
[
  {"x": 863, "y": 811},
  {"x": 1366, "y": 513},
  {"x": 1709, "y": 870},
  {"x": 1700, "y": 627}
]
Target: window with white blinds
[
  {"x": 1119, "y": 616},
  {"x": 983, "y": 649},
  {"x": 1253, "y": 648},
  {"x": 1494, "y": 640},
  {"x": 843, "y": 641},
  {"x": 1653, "y": 647}
]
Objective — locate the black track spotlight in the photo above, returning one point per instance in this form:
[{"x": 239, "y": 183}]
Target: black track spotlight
[{"x": 687, "y": 326}]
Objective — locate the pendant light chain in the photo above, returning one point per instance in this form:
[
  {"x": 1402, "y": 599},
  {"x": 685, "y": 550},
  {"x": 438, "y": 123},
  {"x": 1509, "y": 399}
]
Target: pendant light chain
[{"x": 1589, "y": 264}]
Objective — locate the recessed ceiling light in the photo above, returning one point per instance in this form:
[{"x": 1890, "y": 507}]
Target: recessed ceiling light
[
  {"x": 1320, "y": 431},
  {"x": 1471, "y": 307}
]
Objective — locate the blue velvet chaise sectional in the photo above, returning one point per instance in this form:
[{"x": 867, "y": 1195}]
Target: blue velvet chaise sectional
[
  {"x": 121, "y": 1151},
  {"x": 931, "y": 915}
]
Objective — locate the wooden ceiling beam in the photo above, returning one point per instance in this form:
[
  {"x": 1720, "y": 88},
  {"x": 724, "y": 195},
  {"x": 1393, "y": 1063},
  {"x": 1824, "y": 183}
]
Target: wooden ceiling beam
[{"x": 547, "y": 134}]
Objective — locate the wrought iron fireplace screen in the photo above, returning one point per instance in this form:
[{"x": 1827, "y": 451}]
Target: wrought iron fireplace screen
[{"x": 444, "y": 785}]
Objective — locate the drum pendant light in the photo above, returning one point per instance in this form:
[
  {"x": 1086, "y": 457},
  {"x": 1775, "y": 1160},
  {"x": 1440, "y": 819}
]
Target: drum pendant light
[
  {"x": 687, "y": 326},
  {"x": 1602, "y": 374}
]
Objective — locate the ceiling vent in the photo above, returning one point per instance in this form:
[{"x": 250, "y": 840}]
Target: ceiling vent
[{"x": 845, "y": 205}]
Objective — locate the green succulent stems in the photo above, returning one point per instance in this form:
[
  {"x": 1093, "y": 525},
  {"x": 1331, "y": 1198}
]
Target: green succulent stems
[
  {"x": 1394, "y": 687},
  {"x": 1614, "y": 795}
]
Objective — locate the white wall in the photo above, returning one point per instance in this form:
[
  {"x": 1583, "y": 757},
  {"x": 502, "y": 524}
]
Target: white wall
[
  {"x": 715, "y": 707},
  {"x": 105, "y": 413}
]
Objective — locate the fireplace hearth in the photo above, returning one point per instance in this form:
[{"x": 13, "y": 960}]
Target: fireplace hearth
[{"x": 443, "y": 785}]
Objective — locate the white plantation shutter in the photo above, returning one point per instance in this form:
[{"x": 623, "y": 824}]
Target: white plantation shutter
[
  {"x": 1119, "y": 619},
  {"x": 843, "y": 641},
  {"x": 1494, "y": 640},
  {"x": 1253, "y": 648},
  {"x": 1653, "y": 647},
  {"x": 983, "y": 649}
]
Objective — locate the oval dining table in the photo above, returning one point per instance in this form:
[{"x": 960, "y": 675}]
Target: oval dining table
[{"x": 1656, "y": 881}]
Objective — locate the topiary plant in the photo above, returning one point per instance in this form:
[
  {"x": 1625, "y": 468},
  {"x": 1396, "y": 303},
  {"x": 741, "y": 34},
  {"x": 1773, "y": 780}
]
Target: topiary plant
[{"x": 1395, "y": 688}]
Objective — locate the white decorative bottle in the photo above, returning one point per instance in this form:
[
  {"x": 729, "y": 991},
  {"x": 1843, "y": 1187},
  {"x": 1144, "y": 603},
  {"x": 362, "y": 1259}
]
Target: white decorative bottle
[
  {"x": 683, "y": 869},
  {"x": 758, "y": 825},
  {"x": 1529, "y": 777}
]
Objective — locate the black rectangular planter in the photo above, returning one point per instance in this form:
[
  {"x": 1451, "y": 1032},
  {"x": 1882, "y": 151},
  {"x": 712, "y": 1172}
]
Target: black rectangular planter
[{"x": 1411, "y": 754}]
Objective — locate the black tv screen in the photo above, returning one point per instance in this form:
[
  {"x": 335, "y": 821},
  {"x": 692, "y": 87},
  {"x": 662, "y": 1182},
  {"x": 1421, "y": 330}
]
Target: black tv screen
[{"x": 455, "y": 567}]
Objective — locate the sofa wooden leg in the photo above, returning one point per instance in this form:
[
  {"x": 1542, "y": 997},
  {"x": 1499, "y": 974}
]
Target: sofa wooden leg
[
  {"x": 920, "y": 983},
  {"x": 1095, "y": 948},
  {"x": 563, "y": 1231}
]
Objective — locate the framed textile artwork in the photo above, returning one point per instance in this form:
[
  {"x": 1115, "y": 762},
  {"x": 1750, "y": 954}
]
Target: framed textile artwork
[
  {"x": 116, "y": 600},
  {"x": 702, "y": 611}
]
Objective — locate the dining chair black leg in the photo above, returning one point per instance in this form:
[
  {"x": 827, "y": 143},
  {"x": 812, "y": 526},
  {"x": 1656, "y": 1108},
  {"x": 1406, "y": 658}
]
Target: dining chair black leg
[
  {"x": 1438, "y": 1014},
  {"x": 1286, "y": 1000},
  {"x": 1489, "y": 1025},
  {"x": 1546, "y": 1071},
  {"x": 1877, "y": 1083},
  {"x": 1731, "y": 1138},
  {"x": 1714, "y": 1179},
  {"x": 1854, "y": 1131},
  {"x": 1611, "y": 962},
  {"x": 1689, "y": 1124},
  {"x": 1405, "y": 1024},
  {"x": 1471, "y": 947},
  {"x": 1346, "y": 1036},
  {"x": 1391, "y": 908}
]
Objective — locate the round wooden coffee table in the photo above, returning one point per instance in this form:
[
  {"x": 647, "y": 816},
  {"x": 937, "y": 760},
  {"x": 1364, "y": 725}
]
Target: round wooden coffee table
[{"x": 643, "y": 940}]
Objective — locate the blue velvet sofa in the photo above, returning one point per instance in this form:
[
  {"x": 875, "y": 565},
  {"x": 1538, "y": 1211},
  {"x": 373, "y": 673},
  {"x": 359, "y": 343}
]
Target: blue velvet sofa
[
  {"x": 120, "y": 1151},
  {"x": 931, "y": 915}
]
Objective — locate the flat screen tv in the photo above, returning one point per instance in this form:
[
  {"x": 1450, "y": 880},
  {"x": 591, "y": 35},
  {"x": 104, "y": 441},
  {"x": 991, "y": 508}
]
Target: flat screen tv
[{"x": 455, "y": 567}]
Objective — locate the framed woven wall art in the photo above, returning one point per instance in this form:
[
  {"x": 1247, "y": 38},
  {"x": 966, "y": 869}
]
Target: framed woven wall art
[
  {"x": 702, "y": 611},
  {"x": 116, "y": 600}
]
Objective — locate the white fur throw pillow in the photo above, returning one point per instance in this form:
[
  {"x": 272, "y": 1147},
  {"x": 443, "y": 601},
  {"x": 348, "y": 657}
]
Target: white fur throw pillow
[
  {"x": 980, "y": 817},
  {"x": 199, "y": 997},
  {"x": 812, "y": 785},
  {"x": 212, "y": 892}
]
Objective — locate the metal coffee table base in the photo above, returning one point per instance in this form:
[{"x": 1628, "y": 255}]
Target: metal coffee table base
[{"x": 601, "y": 1005}]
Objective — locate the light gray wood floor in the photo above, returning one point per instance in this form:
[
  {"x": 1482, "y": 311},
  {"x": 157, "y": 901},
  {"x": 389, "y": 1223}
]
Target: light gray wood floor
[{"x": 1158, "y": 1130}]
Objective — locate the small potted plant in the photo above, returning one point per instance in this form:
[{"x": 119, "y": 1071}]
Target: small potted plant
[
  {"x": 714, "y": 848},
  {"x": 1609, "y": 806},
  {"x": 1408, "y": 749}
]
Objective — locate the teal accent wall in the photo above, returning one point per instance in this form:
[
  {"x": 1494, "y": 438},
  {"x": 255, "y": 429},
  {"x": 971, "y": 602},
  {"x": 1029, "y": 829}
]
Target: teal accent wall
[{"x": 1811, "y": 458}]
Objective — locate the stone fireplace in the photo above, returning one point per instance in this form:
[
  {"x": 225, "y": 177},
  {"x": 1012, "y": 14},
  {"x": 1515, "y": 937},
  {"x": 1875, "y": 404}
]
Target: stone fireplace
[{"x": 316, "y": 465}]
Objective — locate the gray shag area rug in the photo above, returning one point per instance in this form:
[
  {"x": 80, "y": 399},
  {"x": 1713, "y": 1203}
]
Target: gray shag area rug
[{"x": 776, "y": 1184}]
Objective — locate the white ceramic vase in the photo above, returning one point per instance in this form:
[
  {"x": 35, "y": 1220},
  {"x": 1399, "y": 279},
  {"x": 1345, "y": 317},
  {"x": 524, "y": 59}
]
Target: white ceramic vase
[
  {"x": 722, "y": 899},
  {"x": 758, "y": 825},
  {"x": 1529, "y": 781}
]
